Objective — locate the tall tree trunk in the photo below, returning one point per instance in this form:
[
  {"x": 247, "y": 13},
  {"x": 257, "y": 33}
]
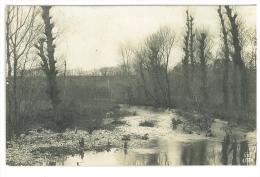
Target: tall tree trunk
[
  {"x": 9, "y": 73},
  {"x": 48, "y": 62},
  {"x": 226, "y": 61},
  {"x": 238, "y": 57},
  {"x": 14, "y": 84},
  {"x": 169, "y": 103},
  {"x": 202, "y": 47},
  {"x": 191, "y": 45},
  {"x": 185, "y": 61}
]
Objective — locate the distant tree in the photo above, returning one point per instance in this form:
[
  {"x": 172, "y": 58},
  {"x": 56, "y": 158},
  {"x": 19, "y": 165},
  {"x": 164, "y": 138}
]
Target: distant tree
[
  {"x": 127, "y": 55},
  {"x": 104, "y": 71}
]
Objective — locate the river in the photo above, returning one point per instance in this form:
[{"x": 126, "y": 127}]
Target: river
[{"x": 166, "y": 147}]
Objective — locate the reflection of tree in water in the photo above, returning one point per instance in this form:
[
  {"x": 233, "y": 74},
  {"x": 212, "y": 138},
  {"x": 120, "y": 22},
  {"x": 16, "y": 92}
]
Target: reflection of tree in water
[
  {"x": 230, "y": 152},
  {"x": 195, "y": 154},
  {"x": 244, "y": 151},
  {"x": 150, "y": 159}
]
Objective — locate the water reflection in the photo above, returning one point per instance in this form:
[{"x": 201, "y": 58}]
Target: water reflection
[
  {"x": 195, "y": 154},
  {"x": 227, "y": 152}
]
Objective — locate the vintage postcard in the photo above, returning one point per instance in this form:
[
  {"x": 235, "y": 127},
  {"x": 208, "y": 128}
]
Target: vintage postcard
[{"x": 132, "y": 85}]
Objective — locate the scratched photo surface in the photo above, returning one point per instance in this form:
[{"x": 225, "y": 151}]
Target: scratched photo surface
[{"x": 130, "y": 85}]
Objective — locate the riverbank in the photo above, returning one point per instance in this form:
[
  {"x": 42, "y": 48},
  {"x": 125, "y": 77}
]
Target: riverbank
[{"x": 39, "y": 147}]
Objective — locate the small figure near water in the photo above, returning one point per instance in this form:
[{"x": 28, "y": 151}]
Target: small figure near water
[
  {"x": 125, "y": 147},
  {"x": 108, "y": 147},
  {"x": 82, "y": 154},
  {"x": 209, "y": 132},
  {"x": 81, "y": 143}
]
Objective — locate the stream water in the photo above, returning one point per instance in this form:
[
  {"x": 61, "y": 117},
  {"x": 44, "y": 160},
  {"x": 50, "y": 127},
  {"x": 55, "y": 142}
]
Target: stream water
[
  {"x": 168, "y": 147},
  {"x": 165, "y": 152}
]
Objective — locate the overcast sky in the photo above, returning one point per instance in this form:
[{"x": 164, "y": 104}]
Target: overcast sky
[{"x": 90, "y": 36}]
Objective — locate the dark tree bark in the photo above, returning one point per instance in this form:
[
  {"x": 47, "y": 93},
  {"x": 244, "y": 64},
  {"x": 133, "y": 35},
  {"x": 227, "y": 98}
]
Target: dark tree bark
[
  {"x": 185, "y": 60},
  {"x": 144, "y": 84},
  {"x": 191, "y": 45},
  {"x": 203, "y": 66},
  {"x": 48, "y": 60},
  {"x": 226, "y": 60},
  {"x": 237, "y": 58}
]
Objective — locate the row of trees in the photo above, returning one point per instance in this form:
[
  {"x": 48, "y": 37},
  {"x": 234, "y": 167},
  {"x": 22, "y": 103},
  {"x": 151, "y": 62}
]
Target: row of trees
[
  {"x": 190, "y": 83},
  {"x": 28, "y": 33},
  {"x": 205, "y": 79}
]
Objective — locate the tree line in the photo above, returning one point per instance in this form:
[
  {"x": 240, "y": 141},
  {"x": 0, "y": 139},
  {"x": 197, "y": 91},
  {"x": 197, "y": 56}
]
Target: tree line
[{"x": 222, "y": 82}]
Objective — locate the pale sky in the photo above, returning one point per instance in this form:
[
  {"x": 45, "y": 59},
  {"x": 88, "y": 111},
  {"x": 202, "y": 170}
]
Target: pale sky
[{"x": 90, "y": 36}]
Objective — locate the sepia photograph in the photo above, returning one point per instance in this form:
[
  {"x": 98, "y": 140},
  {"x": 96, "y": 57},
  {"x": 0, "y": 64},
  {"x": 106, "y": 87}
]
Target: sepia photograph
[{"x": 130, "y": 85}]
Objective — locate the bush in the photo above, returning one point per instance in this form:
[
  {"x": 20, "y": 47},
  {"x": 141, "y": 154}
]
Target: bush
[
  {"x": 175, "y": 123},
  {"x": 147, "y": 123}
]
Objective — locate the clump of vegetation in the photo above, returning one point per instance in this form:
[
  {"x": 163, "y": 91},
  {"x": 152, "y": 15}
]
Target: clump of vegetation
[
  {"x": 147, "y": 123},
  {"x": 145, "y": 137},
  {"x": 126, "y": 138},
  {"x": 175, "y": 123},
  {"x": 119, "y": 122}
]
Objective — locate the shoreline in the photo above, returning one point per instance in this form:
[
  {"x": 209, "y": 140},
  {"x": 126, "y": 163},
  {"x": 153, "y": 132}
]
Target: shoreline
[{"x": 37, "y": 147}]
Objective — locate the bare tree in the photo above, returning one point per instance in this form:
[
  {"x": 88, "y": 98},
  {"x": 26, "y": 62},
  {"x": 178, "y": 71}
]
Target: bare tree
[
  {"x": 141, "y": 68},
  {"x": 127, "y": 55},
  {"x": 154, "y": 58},
  {"x": 252, "y": 53},
  {"x": 226, "y": 59},
  {"x": 21, "y": 33}
]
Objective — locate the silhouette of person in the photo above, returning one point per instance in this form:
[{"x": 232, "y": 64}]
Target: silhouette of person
[
  {"x": 108, "y": 148},
  {"x": 81, "y": 154},
  {"x": 81, "y": 143},
  {"x": 125, "y": 147}
]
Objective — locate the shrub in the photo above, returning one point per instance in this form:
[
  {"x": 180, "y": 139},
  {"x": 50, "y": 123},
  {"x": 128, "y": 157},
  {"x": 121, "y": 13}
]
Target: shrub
[
  {"x": 175, "y": 123},
  {"x": 147, "y": 123}
]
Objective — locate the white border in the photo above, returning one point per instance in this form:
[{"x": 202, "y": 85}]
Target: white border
[{"x": 183, "y": 171}]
